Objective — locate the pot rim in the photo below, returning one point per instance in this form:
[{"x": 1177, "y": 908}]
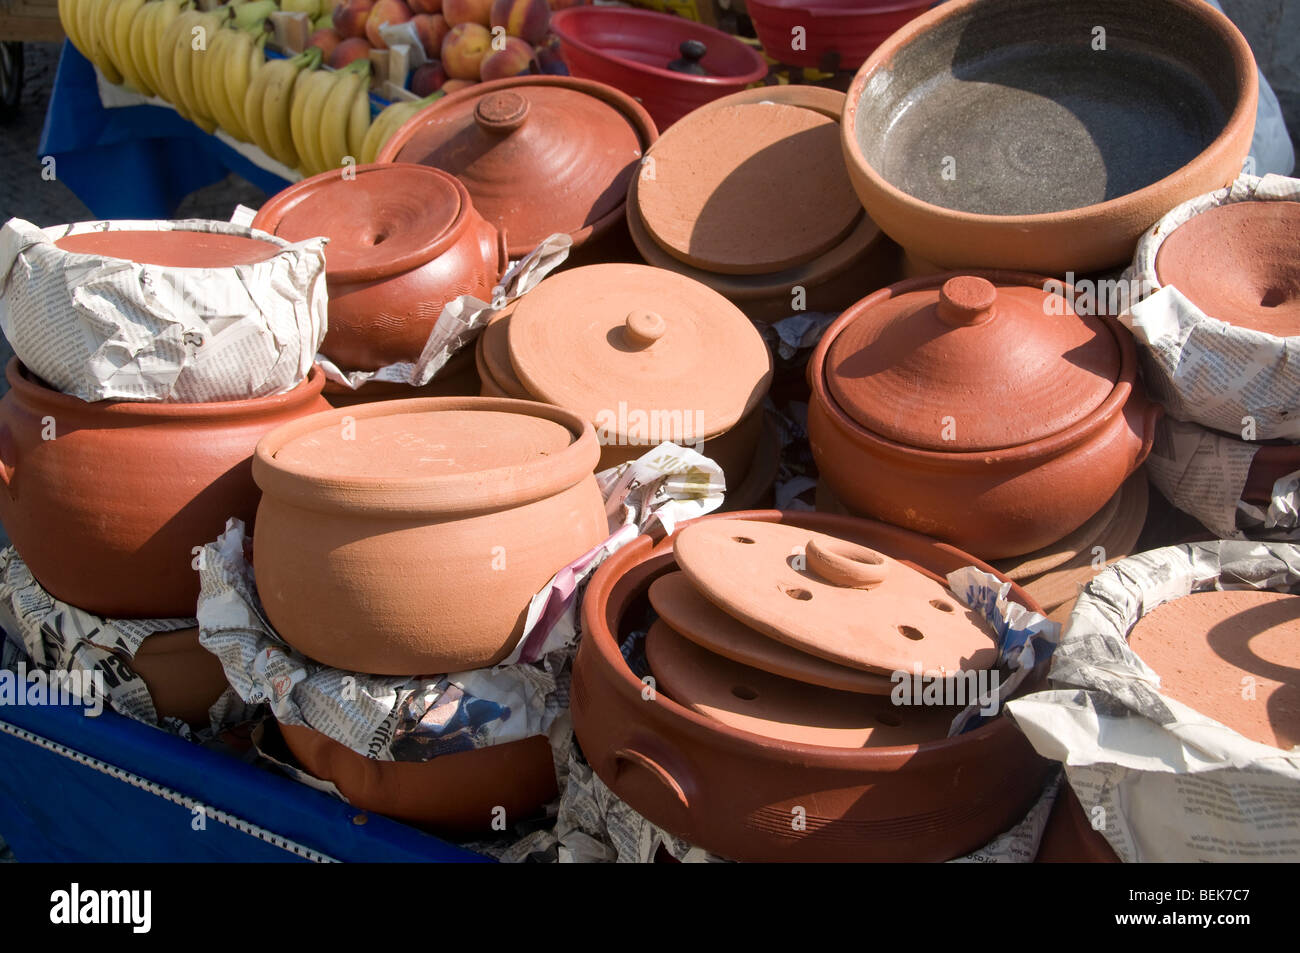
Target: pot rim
[
  {"x": 850, "y": 14},
  {"x": 39, "y": 396},
  {"x": 1048, "y": 446},
  {"x": 638, "y": 560},
  {"x": 1244, "y": 66},
  {"x": 459, "y": 493},
  {"x": 235, "y": 231}
]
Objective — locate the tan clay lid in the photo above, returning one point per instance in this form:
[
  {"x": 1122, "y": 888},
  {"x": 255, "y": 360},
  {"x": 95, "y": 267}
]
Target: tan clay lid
[
  {"x": 971, "y": 366},
  {"x": 775, "y": 707},
  {"x": 832, "y": 598},
  {"x": 749, "y": 188},
  {"x": 619, "y": 343}
]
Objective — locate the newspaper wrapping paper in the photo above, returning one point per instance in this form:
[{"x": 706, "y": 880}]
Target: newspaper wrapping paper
[
  {"x": 1173, "y": 784},
  {"x": 417, "y": 719},
  {"x": 102, "y": 328},
  {"x": 1203, "y": 473},
  {"x": 461, "y": 321},
  {"x": 1200, "y": 368}
]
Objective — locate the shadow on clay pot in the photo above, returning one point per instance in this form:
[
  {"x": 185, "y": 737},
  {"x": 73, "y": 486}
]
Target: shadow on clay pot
[{"x": 1231, "y": 641}]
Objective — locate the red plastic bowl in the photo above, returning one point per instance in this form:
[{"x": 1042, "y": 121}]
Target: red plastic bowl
[
  {"x": 631, "y": 49},
  {"x": 851, "y": 28}
]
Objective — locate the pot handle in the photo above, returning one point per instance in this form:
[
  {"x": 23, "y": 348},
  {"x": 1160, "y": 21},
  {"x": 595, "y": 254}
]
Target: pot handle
[
  {"x": 503, "y": 252},
  {"x": 663, "y": 775}
]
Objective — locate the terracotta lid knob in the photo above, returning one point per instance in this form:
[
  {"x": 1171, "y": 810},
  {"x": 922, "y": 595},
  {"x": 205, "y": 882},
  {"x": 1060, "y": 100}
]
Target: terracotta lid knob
[
  {"x": 643, "y": 328},
  {"x": 501, "y": 112},
  {"x": 846, "y": 565},
  {"x": 967, "y": 300}
]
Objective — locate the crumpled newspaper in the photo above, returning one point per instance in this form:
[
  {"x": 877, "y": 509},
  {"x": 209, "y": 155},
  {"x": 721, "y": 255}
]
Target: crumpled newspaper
[
  {"x": 1172, "y": 784},
  {"x": 102, "y": 328}
]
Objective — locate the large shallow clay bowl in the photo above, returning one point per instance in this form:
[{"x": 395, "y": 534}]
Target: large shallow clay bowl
[
  {"x": 108, "y": 514},
  {"x": 1032, "y": 457},
  {"x": 453, "y": 795},
  {"x": 631, "y": 50},
  {"x": 408, "y": 537},
  {"x": 735, "y": 793},
  {"x": 404, "y": 240},
  {"x": 837, "y": 34},
  {"x": 991, "y": 133},
  {"x": 184, "y": 679}
]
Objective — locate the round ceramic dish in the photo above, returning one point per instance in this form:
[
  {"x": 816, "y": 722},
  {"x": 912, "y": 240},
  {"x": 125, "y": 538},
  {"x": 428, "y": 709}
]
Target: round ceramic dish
[
  {"x": 184, "y": 679},
  {"x": 735, "y": 793},
  {"x": 836, "y": 34},
  {"x": 404, "y": 240},
  {"x": 538, "y": 154},
  {"x": 109, "y": 513},
  {"x": 408, "y": 537},
  {"x": 1000, "y": 134},
  {"x": 908, "y": 395}
]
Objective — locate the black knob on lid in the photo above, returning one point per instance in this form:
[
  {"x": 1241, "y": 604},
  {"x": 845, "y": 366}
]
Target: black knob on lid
[{"x": 692, "y": 52}]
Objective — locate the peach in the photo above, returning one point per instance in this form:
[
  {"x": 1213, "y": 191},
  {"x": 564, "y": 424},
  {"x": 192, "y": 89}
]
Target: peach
[
  {"x": 456, "y": 85},
  {"x": 425, "y": 6},
  {"x": 327, "y": 39},
  {"x": 353, "y": 48},
  {"x": 468, "y": 11},
  {"x": 432, "y": 29},
  {"x": 385, "y": 11},
  {"x": 464, "y": 49},
  {"x": 428, "y": 79},
  {"x": 530, "y": 20},
  {"x": 350, "y": 17},
  {"x": 516, "y": 58}
]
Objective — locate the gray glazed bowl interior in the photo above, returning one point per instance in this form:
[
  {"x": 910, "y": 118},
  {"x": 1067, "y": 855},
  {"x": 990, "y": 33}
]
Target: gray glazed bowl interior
[{"x": 1009, "y": 109}]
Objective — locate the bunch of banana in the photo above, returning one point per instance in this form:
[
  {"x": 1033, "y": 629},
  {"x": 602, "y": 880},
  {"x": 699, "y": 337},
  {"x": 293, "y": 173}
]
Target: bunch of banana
[
  {"x": 223, "y": 74},
  {"x": 85, "y": 24},
  {"x": 267, "y": 104},
  {"x": 330, "y": 115},
  {"x": 69, "y": 17},
  {"x": 147, "y": 29},
  {"x": 388, "y": 122}
]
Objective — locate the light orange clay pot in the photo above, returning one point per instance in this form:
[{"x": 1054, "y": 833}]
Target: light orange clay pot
[{"x": 184, "y": 679}]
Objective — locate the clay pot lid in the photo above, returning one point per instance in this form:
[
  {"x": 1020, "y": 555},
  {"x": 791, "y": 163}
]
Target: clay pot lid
[
  {"x": 841, "y": 601},
  {"x": 749, "y": 188},
  {"x": 380, "y": 219},
  {"x": 539, "y": 155},
  {"x": 1237, "y": 263},
  {"x": 172, "y": 248},
  {"x": 971, "y": 366},
  {"x": 681, "y": 606},
  {"x": 779, "y": 708},
  {"x": 616, "y": 342},
  {"x": 1204, "y": 645},
  {"x": 496, "y": 353}
]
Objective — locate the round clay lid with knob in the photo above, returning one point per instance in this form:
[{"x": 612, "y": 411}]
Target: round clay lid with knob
[
  {"x": 833, "y": 598},
  {"x": 643, "y": 353},
  {"x": 970, "y": 365},
  {"x": 750, "y": 188}
]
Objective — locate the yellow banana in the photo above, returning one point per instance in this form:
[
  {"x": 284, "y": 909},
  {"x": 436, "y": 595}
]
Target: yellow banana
[
  {"x": 200, "y": 32},
  {"x": 150, "y": 30},
  {"x": 125, "y": 39},
  {"x": 209, "y": 70},
  {"x": 68, "y": 19},
  {"x": 306, "y": 127},
  {"x": 252, "y": 109},
  {"x": 359, "y": 121},
  {"x": 249, "y": 56},
  {"x": 204, "y": 61},
  {"x": 389, "y": 121},
  {"x": 336, "y": 112},
  {"x": 168, "y": 48},
  {"x": 93, "y": 21},
  {"x": 272, "y": 101},
  {"x": 112, "y": 51}
]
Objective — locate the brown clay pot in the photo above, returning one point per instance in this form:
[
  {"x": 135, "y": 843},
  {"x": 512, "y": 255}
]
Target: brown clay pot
[
  {"x": 408, "y": 537},
  {"x": 184, "y": 679},
  {"x": 171, "y": 249},
  {"x": 735, "y": 793},
  {"x": 1271, "y": 463},
  {"x": 457, "y": 378},
  {"x": 984, "y": 417},
  {"x": 108, "y": 513},
  {"x": 974, "y": 144},
  {"x": 453, "y": 795},
  {"x": 539, "y": 154},
  {"x": 404, "y": 241},
  {"x": 1069, "y": 838}
]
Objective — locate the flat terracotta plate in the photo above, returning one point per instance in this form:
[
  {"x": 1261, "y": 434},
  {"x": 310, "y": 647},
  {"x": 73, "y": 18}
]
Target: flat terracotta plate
[
  {"x": 175, "y": 248},
  {"x": 767, "y": 576},
  {"x": 1204, "y": 645},
  {"x": 748, "y": 189},
  {"x": 779, "y": 708},
  {"x": 1019, "y": 568},
  {"x": 681, "y": 606}
]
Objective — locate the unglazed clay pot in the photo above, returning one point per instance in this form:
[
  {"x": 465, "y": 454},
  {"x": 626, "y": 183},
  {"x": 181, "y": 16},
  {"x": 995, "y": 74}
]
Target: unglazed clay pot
[
  {"x": 538, "y": 154},
  {"x": 986, "y": 412},
  {"x": 408, "y": 537},
  {"x": 404, "y": 241},
  {"x": 107, "y": 502},
  {"x": 453, "y": 795},
  {"x": 974, "y": 143},
  {"x": 736, "y": 793},
  {"x": 1069, "y": 838},
  {"x": 1272, "y": 462},
  {"x": 184, "y": 679},
  {"x": 172, "y": 249}
]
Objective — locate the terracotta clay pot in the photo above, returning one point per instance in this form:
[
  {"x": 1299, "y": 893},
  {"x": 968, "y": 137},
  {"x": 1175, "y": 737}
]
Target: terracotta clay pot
[
  {"x": 184, "y": 679},
  {"x": 974, "y": 144},
  {"x": 453, "y": 795},
  {"x": 1069, "y": 838},
  {"x": 736, "y": 793},
  {"x": 408, "y": 537},
  {"x": 634, "y": 51},
  {"x": 109, "y": 512},
  {"x": 404, "y": 241},
  {"x": 172, "y": 249},
  {"x": 1271, "y": 462},
  {"x": 538, "y": 154},
  {"x": 837, "y": 34},
  {"x": 987, "y": 413},
  {"x": 457, "y": 378}
]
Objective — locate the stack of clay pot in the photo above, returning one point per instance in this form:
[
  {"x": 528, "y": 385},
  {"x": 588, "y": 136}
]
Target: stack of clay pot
[
  {"x": 408, "y": 538},
  {"x": 750, "y": 196},
  {"x": 646, "y": 356},
  {"x": 769, "y": 726}
]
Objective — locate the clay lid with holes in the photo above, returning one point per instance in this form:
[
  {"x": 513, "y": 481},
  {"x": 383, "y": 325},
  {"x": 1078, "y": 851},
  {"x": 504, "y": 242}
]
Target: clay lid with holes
[
  {"x": 780, "y": 708},
  {"x": 970, "y": 365},
  {"x": 832, "y": 598},
  {"x": 749, "y": 188},
  {"x": 539, "y": 154},
  {"x": 641, "y": 352},
  {"x": 1238, "y": 263}
]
